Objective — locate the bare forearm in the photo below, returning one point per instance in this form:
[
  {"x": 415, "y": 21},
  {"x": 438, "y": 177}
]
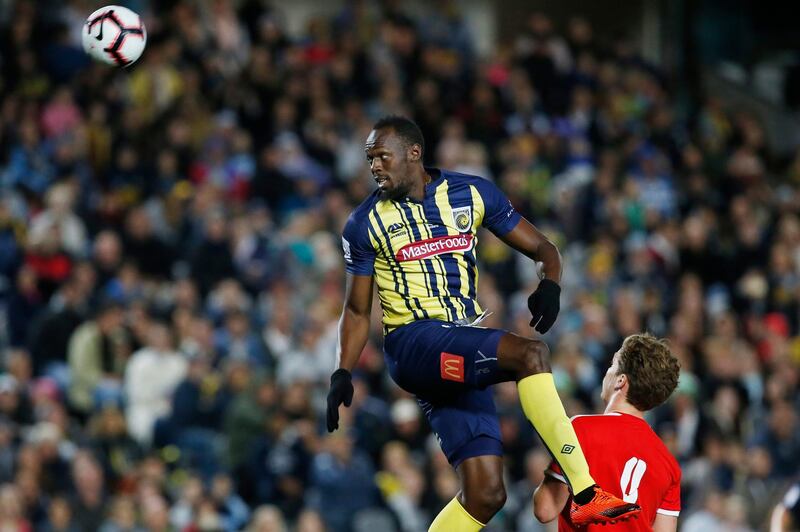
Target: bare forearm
[
  {"x": 665, "y": 523},
  {"x": 531, "y": 242},
  {"x": 548, "y": 254},
  {"x": 549, "y": 499},
  {"x": 353, "y": 334}
]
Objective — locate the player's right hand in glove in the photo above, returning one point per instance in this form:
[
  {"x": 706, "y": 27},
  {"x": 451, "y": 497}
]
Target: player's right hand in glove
[
  {"x": 544, "y": 305},
  {"x": 341, "y": 392}
]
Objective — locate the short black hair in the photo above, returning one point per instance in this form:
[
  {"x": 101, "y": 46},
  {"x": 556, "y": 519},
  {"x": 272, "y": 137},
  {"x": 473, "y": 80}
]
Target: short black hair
[{"x": 405, "y": 128}]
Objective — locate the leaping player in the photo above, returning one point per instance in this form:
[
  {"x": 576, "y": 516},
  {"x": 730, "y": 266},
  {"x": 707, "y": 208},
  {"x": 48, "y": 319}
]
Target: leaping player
[{"x": 415, "y": 237}]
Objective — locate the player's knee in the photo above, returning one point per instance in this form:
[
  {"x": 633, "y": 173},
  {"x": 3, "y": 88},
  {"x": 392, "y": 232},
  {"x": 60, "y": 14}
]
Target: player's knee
[
  {"x": 535, "y": 359},
  {"x": 486, "y": 501},
  {"x": 497, "y": 499},
  {"x": 493, "y": 498}
]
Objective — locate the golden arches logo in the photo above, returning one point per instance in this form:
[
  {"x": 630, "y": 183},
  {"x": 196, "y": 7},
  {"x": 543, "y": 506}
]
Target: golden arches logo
[{"x": 452, "y": 367}]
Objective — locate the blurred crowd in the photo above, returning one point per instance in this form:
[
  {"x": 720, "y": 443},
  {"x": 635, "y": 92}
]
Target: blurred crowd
[{"x": 171, "y": 278}]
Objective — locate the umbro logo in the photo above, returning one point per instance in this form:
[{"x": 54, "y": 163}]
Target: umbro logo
[{"x": 567, "y": 449}]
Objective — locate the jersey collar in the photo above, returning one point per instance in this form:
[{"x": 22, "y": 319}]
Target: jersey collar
[{"x": 437, "y": 176}]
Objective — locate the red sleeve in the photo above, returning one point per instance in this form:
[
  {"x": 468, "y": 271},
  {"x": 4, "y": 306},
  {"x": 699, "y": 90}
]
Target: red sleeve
[
  {"x": 671, "y": 503},
  {"x": 554, "y": 471}
]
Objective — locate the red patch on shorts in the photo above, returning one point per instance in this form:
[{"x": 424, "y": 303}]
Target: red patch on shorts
[{"x": 452, "y": 367}]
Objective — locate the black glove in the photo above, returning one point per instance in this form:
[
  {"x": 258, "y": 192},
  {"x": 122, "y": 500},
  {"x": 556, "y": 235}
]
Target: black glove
[
  {"x": 544, "y": 305},
  {"x": 341, "y": 392}
]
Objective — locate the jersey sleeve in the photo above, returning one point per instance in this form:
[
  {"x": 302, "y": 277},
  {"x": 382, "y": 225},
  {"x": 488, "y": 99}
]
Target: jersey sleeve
[
  {"x": 359, "y": 255},
  {"x": 554, "y": 471},
  {"x": 499, "y": 217},
  {"x": 671, "y": 503}
]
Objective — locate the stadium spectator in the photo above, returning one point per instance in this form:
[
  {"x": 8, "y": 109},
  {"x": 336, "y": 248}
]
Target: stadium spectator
[
  {"x": 203, "y": 190},
  {"x": 151, "y": 376},
  {"x": 98, "y": 351}
]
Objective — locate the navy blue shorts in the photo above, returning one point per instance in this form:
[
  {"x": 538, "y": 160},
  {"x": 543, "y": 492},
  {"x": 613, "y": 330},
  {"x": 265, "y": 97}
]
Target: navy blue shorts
[{"x": 448, "y": 367}]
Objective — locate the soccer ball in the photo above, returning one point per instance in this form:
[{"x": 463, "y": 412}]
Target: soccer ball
[{"x": 114, "y": 35}]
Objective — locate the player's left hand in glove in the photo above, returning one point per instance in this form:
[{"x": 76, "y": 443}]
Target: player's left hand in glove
[
  {"x": 341, "y": 392},
  {"x": 544, "y": 305}
]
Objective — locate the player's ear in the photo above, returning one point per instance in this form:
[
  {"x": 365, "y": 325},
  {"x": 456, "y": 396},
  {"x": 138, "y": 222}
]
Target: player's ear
[
  {"x": 621, "y": 381},
  {"x": 414, "y": 153}
]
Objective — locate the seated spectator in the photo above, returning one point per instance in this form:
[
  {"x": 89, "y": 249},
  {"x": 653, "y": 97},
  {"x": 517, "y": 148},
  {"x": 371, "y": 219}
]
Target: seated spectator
[
  {"x": 233, "y": 512},
  {"x": 49, "y": 334},
  {"x": 121, "y": 516},
  {"x": 11, "y": 510},
  {"x": 151, "y": 376},
  {"x": 237, "y": 341},
  {"x": 267, "y": 518},
  {"x": 117, "y": 452},
  {"x": 90, "y": 495},
  {"x": 59, "y": 517},
  {"x": 341, "y": 482},
  {"x": 59, "y": 216},
  {"x": 15, "y": 405},
  {"x": 48, "y": 261},
  {"x": 24, "y": 305},
  {"x": 97, "y": 354}
]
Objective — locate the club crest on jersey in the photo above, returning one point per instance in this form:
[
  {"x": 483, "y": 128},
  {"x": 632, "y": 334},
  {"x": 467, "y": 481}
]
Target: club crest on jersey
[{"x": 462, "y": 216}]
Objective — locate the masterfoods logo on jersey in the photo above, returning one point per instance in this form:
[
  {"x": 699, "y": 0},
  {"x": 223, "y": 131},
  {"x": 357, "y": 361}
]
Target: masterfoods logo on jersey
[{"x": 434, "y": 246}]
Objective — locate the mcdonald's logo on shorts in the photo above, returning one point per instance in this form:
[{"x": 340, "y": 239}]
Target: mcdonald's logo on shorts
[{"x": 452, "y": 367}]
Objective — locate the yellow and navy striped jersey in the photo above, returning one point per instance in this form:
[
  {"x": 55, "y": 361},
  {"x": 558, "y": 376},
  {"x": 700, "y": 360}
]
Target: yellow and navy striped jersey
[{"x": 422, "y": 254}]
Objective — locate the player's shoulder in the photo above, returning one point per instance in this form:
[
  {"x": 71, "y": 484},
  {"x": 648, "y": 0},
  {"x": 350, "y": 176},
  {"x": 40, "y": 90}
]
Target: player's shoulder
[
  {"x": 459, "y": 178},
  {"x": 596, "y": 427},
  {"x": 360, "y": 214},
  {"x": 589, "y": 420},
  {"x": 356, "y": 228},
  {"x": 485, "y": 188},
  {"x": 618, "y": 424},
  {"x": 614, "y": 425}
]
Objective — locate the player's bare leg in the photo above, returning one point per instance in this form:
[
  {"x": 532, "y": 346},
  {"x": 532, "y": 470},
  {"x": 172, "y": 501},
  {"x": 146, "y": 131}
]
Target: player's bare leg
[
  {"x": 529, "y": 362},
  {"x": 482, "y": 496},
  {"x": 483, "y": 493}
]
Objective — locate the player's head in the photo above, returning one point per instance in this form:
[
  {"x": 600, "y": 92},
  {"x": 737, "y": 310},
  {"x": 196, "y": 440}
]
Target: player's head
[
  {"x": 643, "y": 370},
  {"x": 394, "y": 147}
]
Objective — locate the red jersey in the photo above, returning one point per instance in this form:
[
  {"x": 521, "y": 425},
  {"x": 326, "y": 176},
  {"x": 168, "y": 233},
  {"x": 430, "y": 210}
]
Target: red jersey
[{"x": 626, "y": 458}]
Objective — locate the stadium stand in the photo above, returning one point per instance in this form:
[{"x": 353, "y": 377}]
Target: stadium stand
[{"x": 171, "y": 276}]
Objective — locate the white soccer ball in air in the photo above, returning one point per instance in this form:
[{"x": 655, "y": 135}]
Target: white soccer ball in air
[{"x": 114, "y": 35}]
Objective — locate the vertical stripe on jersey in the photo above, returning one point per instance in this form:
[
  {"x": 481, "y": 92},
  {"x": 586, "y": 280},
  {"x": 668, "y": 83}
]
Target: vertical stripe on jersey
[
  {"x": 382, "y": 246},
  {"x": 413, "y": 235},
  {"x": 392, "y": 262},
  {"x": 479, "y": 208},
  {"x": 439, "y": 268},
  {"x": 461, "y": 196},
  {"x": 478, "y": 213},
  {"x": 441, "y": 214},
  {"x": 427, "y": 264},
  {"x": 384, "y": 277}
]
